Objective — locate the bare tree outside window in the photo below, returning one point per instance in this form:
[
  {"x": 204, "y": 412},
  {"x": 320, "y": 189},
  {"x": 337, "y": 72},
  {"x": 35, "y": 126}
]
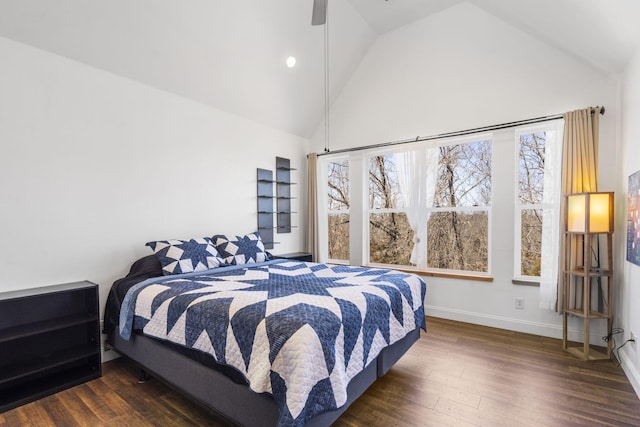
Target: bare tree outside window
[
  {"x": 530, "y": 194},
  {"x": 390, "y": 235},
  {"x": 458, "y": 226},
  {"x": 454, "y": 196},
  {"x": 338, "y": 209}
]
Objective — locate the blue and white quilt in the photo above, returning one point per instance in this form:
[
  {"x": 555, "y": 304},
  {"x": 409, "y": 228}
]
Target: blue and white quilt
[{"x": 299, "y": 331}]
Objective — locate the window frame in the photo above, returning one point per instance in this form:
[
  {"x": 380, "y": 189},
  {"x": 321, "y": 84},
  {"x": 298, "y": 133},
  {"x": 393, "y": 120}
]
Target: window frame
[
  {"x": 368, "y": 211},
  {"x": 323, "y": 222},
  {"x": 554, "y": 207},
  {"x": 428, "y": 210}
]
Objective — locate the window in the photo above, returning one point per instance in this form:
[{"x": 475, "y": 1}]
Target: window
[
  {"x": 530, "y": 190},
  {"x": 429, "y": 206},
  {"x": 338, "y": 209},
  {"x": 390, "y": 235},
  {"x": 537, "y": 199},
  {"x": 458, "y": 226}
]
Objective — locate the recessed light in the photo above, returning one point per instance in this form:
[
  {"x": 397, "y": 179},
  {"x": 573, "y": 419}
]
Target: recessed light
[{"x": 291, "y": 62}]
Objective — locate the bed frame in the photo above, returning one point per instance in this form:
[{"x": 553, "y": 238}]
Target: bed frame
[{"x": 220, "y": 394}]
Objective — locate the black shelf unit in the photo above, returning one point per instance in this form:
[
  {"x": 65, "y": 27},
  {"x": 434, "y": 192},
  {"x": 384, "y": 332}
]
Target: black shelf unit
[
  {"x": 265, "y": 206},
  {"x": 283, "y": 194},
  {"x": 49, "y": 341},
  {"x": 282, "y": 199}
]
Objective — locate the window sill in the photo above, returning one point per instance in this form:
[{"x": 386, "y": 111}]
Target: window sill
[
  {"x": 460, "y": 276},
  {"x": 525, "y": 282}
]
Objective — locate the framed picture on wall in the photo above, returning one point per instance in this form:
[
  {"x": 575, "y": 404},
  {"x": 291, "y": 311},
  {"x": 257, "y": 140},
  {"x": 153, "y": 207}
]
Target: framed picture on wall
[{"x": 633, "y": 219}]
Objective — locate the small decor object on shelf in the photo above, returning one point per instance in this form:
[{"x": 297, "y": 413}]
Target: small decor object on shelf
[
  {"x": 588, "y": 278},
  {"x": 633, "y": 219}
]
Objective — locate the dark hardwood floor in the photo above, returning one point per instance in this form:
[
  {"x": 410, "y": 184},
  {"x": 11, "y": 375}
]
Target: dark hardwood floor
[{"x": 456, "y": 375}]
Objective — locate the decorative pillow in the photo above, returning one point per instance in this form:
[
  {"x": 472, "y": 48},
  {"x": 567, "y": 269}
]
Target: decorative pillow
[
  {"x": 186, "y": 256},
  {"x": 241, "y": 249}
]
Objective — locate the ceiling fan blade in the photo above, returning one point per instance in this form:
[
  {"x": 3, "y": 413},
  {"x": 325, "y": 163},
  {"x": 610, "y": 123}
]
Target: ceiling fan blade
[{"x": 319, "y": 16}]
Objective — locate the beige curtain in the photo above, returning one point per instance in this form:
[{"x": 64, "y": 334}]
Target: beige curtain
[
  {"x": 312, "y": 206},
  {"x": 579, "y": 174}
]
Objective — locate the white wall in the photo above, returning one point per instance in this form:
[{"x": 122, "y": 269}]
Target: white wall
[
  {"x": 462, "y": 69},
  {"x": 93, "y": 166},
  {"x": 627, "y": 291}
]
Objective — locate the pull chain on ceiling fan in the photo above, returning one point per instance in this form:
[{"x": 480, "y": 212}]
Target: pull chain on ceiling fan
[{"x": 319, "y": 17}]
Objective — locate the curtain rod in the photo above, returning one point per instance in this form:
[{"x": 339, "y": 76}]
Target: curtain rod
[{"x": 456, "y": 133}]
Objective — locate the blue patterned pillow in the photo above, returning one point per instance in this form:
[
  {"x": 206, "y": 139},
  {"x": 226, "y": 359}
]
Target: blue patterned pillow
[
  {"x": 186, "y": 256},
  {"x": 240, "y": 249}
]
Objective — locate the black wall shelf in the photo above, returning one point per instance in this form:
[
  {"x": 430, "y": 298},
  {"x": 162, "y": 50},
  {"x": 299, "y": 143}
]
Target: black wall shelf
[
  {"x": 282, "y": 197},
  {"x": 283, "y": 194},
  {"x": 265, "y": 206}
]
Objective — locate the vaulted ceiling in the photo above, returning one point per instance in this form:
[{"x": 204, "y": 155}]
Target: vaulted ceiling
[{"x": 231, "y": 54}]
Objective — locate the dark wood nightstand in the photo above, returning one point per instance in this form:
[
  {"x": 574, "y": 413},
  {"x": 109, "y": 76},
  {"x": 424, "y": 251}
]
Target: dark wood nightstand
[{"x": 298, "y": 256}]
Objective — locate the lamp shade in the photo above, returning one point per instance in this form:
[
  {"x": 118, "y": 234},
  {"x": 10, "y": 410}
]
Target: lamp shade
[{"x": 590, "y": 212}]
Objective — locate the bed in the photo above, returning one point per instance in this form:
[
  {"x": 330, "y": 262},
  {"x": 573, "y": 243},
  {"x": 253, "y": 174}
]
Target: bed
[{"x": 276, "y": 342}]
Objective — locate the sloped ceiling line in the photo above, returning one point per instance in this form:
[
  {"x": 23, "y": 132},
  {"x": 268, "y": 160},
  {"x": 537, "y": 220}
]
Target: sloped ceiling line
[{"x": 230, "y": 55}]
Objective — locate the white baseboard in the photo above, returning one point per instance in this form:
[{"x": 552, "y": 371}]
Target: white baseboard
[
  {"x": 518, "y": 325},
  {"x": 109, "y": 355},
  {"x": 630, "y": 371}
]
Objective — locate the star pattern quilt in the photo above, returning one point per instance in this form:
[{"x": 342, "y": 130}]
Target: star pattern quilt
[{"x": 299, "y": 331}]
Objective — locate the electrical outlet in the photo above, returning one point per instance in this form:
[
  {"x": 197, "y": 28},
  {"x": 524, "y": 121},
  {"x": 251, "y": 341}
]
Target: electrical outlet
[{"x": 520, "y": 303}]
